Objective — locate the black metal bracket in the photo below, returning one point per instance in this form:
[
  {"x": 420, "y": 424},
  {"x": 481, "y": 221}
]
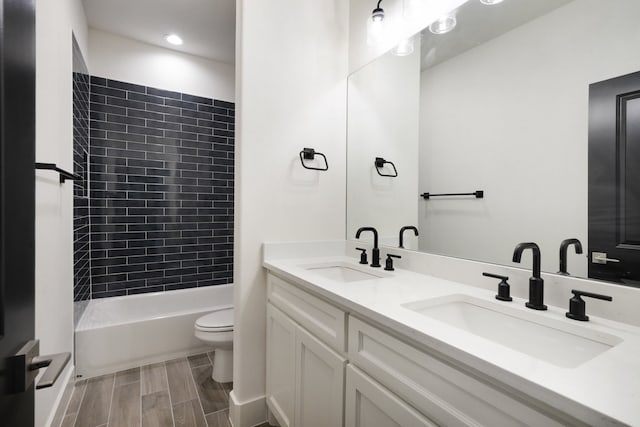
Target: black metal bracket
[
  {"x": 380, "y": 162},
  {"x": 64, "y": 175},
  {"x": 309, "y": 154},
  {"x": 479, "y": 194}
]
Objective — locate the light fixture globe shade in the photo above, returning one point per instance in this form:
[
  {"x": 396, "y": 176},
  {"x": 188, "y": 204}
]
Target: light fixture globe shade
[
  {"x": 377, "y": 15},
  {"x": 443, "y": 24}
]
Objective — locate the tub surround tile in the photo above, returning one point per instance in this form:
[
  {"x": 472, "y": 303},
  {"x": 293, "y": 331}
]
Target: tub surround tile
[
  {"x": 94, "y": 409},
  {"x": 181, "y": 386},
  {"x": 153, "y": 379},
  {"x": 156, "y": 410},
  {"x": 81, "y": 232},
  {"x": 189, "y": 414},
  {"x": 158, "y": 174},
  {"x": 212, "y": 394},
  {"x": 125, "y": 406}
]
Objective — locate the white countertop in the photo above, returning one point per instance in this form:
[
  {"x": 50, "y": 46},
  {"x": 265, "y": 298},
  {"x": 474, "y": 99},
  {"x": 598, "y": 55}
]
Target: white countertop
[{"x": 605, "y": 389}]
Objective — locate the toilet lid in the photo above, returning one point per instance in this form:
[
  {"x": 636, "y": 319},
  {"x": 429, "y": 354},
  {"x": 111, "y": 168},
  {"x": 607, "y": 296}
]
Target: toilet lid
[{"x": 221, "y": 320}]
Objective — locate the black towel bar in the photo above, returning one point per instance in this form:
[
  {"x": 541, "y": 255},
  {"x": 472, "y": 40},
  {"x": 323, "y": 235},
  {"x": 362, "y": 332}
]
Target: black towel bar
[
  {"x": 479, "y": 194},
  {"x": 64, "y": 175}
]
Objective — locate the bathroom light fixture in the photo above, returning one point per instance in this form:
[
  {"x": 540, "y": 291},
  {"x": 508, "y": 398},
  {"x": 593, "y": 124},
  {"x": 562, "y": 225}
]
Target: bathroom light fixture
[
  {"x": 174, "y": 39},
  {"x": 491, "y": 2},
  {"x": 378, "y": 13},
  {"x": 375, "y": 26},
  {"x": 404, "y": 48},
  {"x": 443, "y": 24}
]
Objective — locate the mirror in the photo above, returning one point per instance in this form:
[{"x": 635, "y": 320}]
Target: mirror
[{"x": 501, "y": 104}]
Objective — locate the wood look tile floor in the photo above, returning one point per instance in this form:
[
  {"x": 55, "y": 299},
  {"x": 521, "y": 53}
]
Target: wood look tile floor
[{"x": 176, "y": 393}]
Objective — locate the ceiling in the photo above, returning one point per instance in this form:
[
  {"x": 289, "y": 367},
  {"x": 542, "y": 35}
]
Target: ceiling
[
  {"x": 478, "y": 23},
  {"x": 206, "y": 26}
]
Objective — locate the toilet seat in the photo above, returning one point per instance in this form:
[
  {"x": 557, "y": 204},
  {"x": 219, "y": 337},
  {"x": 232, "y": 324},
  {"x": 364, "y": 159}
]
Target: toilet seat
[{"x": 218, "y": 321}]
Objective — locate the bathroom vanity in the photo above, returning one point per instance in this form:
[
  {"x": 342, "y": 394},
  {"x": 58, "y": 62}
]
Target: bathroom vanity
[{"x": 352, "y": 345}]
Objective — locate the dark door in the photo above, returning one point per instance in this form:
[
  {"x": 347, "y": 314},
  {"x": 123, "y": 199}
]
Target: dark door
[
  {"x": 17, "y": 199},
  {"x": 614, "y": 179}
]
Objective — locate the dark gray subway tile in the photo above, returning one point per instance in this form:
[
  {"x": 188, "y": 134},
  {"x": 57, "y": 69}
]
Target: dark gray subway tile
[
  {"x": 164, "y": 93},
  {"x": 224, "y": 104},
  {"x": 161, "y": 188},
  {"x": 126, "y": 86},
  {"x": 145, "y": 98}
]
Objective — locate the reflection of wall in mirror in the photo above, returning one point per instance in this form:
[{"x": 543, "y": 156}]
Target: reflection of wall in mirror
[
  {"x": 510, "y": 117},
  {"x": 383, "y": 122}
]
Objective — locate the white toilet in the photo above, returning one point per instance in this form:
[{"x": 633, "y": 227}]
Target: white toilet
[{"x": 216, "y": 329}]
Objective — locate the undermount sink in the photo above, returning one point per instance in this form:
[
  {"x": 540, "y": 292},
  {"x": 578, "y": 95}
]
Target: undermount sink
[
  {"x": 342, "y": 272},
  {"x": 550, "y": 340}
]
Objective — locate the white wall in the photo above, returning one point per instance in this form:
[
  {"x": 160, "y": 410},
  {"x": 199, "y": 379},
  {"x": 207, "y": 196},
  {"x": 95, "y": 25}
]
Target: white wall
[
  {"x": 128, "y": 60},
  {"x": 291, "y": 93},
  {"x": 54, "y": 211},
  {"x": 510, "y": 117},
  {"x": 383, "y": 122}
]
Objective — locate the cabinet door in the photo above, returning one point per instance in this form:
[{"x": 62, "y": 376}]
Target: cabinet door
[
  {"x": 369, "y": 404},
  {"x": 319, "y": 383},
  {"x": 281, "y": 347}
]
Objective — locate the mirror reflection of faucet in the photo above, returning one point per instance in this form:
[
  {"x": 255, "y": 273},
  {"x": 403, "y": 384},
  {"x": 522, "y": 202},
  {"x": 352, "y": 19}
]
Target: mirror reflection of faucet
[
  {"x": 402, "y": 230},
  {"x": 564, "y": 246}
]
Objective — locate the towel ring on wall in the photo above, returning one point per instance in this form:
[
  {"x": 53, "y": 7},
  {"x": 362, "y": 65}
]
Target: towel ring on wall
[
  {"x": 380, "y": 162},
  {"x": 309, "y": 154}
]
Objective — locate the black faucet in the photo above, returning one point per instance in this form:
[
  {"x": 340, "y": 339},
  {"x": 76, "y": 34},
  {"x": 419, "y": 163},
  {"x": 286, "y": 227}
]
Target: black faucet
[
  {"x": 563, "y": 253},
  {"x": 402, "y": 230},
  {"x": 375, "y": 253},
  {"x": 536, "y": 284}
]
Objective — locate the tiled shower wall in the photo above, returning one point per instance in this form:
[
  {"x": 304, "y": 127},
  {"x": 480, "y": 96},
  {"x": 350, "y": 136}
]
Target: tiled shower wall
[
  {"x": 161, "y": 189},
  {"x": 81, "y": 261}
]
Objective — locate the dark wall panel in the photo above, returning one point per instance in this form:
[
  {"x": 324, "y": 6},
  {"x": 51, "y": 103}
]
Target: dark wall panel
[
  {"x": 81, "y": 258},
  {"x": 161, "y": 189}
]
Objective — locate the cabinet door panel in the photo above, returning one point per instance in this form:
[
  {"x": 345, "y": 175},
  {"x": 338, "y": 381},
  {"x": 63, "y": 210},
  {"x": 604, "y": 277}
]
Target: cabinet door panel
[
  {"x": 369, "y": 404},
  {"x": 319, "y": 383},
  {"x": 281, "y": 347},
  {"x": 319, "y": 317}
]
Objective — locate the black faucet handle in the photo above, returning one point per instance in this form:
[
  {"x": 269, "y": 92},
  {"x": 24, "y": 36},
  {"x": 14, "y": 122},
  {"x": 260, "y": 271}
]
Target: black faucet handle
[
  {"x": 389, "y": 262},
  {"x": 504, "y": 290},
  {"x": 577, "y": 306},
  {"x": 363, "y": 256},
  {"x": 496, "y": 276}
]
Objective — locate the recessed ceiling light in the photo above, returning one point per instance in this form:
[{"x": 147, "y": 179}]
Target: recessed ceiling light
[
  {"x": 491, "y": 2},
  {"x": 173, "y": 39}
]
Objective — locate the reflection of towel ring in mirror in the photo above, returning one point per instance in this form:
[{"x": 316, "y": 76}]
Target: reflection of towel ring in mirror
[
  {"x": 380, "y": 162},
  {"x": 309, "y": 154}
]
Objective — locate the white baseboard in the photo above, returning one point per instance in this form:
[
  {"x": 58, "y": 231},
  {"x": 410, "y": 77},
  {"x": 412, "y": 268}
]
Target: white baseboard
[
  {"x": 249, "y": 413},
  {"x": 62, "y": 401}
]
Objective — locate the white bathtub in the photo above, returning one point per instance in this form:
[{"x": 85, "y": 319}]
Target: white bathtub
[{"x": 124, "y": 332}]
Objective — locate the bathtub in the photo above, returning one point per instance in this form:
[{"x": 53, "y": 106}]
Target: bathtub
[{"x": 124, "y": 332}]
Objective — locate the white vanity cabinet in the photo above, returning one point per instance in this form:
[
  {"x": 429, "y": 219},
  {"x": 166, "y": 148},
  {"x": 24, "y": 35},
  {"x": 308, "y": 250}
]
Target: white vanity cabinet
[
  {"x": 387, "y": 380},
  {"x": 369, "y": 404},
  {"x": 305, "y": 376}
]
